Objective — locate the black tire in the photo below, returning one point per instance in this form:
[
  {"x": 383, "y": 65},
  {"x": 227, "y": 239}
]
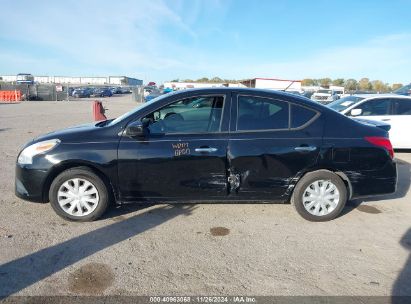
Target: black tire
[
  {"x": 308, "y": 179},
  {"x": 86, "y": 174}
]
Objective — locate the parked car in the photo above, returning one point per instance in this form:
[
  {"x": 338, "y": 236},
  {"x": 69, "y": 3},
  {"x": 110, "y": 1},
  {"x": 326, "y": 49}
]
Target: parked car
[
  {"x": 152, "y": 95},
  {"x": 125, "y": 90},
  {"x": 405, "y": 90},
  {"x": 307, "y": 94},
  {"x": 73, "y": 91},
  {"x": 390, "y": 108},
  {"x": 245, "y": 145},
  {"x": 70, "y": 91},
  {"x": 102, "y": 92},
  {"x": 325, "y": 96},
  {"x": 116, "y": 90},
  {"x": 89, "y": 91},
  {"x": 25, "y": 78},
  {"x": 81, "y": 93},
  {"x": 149, "y": 89}
]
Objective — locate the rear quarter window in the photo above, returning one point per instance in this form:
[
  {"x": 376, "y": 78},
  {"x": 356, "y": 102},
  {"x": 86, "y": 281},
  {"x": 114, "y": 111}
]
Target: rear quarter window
[{"x": 301, "y": 116}]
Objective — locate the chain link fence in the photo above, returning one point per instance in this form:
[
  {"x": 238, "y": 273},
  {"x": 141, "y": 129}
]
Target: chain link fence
[
  {"x": 59, "y": 92},
  {"x": 137, "y": 93}
]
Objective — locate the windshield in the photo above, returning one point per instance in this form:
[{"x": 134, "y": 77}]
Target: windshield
[
  {"x": 403, "y": 90},
  {"x": 343, "y": 103},
  {"x": 140, "y": 107},
  {"x": 324, "y": 91}
]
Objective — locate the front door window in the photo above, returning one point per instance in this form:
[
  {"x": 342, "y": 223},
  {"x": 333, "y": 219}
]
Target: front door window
[
  {"x": 376, "y": 107},
  {"x": 190, "y": 115}
]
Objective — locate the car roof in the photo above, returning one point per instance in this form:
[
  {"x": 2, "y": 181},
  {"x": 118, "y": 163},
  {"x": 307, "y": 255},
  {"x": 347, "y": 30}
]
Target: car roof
[
  {"x": 252, "y": 91},
  {"x": 236, "y": 89},
  {"x": 390, "y": 95}
]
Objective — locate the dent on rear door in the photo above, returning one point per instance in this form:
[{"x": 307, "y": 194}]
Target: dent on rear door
[{"x": 263, "y": 165}]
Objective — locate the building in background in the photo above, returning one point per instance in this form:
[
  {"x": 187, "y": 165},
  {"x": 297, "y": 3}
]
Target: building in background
[
  {"x": 78, "y": 80},
  {"x": 191, "y": 85},
  {"x": 123, "y": 80},
  {"x": 259, "y": 83},
  {"x": 273, "y": 84}
]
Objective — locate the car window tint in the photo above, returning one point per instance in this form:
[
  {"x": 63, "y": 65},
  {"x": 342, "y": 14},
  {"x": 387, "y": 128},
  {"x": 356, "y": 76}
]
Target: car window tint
[
  {"x": 402, "y": 107},
  {"x": 256, "y": 113},
  {"x": 190, "y": 115},
  {"x": 375, "y": 107},
  {"x": 300, "y": 116}
]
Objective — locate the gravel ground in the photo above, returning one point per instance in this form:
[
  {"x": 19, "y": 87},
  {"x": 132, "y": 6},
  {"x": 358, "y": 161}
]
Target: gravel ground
[{"x": 205, "y": 249}]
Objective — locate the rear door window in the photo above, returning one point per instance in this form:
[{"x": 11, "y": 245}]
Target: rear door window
[{"x": 258, "y": 113}]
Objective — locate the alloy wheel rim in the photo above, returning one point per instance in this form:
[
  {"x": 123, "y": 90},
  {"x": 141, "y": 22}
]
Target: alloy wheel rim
[
  {"x": 78, "y": 197},
  {"x": 321, "y": 197}
]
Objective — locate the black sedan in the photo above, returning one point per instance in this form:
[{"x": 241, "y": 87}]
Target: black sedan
[
  {"x": 239, "y": 145},
  {"x": 81, "y": 93},
  {"x": 102, "y": 92}
]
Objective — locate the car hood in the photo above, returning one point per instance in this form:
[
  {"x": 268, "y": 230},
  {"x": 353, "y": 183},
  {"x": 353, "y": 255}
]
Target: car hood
[
  {"x": 71, "y": 134},
  {"x": 321, "y": 94}
]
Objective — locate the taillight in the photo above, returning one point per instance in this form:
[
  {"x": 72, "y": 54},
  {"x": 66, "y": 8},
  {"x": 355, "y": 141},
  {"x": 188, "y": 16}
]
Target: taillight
[{"x": 381, "y": 142}]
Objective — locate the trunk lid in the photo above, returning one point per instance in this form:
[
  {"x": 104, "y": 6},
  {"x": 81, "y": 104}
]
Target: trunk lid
[{"x": 380, "y": 124}]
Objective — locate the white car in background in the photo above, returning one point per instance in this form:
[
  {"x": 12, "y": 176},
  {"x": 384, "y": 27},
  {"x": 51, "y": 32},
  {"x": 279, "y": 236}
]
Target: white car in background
[
  {"x": 389, "y": 108},
  {"x": 325, "y": 96}
]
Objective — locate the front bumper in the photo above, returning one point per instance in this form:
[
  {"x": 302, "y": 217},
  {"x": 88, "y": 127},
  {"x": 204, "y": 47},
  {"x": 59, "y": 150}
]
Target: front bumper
[{"x": 29, "y": 183}]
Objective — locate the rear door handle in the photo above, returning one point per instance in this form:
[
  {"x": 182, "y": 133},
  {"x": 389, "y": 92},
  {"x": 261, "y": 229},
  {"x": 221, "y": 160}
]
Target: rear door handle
[
  {"x": 386, "y": 119},
  {"x": 205, "y": 150},
  {"x": 305, "y": 148}
]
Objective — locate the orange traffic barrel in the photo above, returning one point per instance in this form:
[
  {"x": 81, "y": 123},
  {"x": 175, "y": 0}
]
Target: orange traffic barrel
[{"x": 98, "y": 111}]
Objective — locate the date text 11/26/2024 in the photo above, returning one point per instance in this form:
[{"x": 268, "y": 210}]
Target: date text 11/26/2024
[{"x": 203, "y": 299}]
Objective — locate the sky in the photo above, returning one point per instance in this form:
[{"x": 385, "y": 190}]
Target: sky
[{"x": 159, "y": 40}]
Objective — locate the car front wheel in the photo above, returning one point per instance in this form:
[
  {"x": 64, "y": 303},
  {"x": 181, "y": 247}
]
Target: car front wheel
[
  {"x": 78, "y": 194},
  {"x": 319, "y": 196}
]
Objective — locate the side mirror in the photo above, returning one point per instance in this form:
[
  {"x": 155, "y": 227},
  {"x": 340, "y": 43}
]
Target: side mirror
[
  {"x": 137, "y": 129},
  {"x": 356, "y": 112}
]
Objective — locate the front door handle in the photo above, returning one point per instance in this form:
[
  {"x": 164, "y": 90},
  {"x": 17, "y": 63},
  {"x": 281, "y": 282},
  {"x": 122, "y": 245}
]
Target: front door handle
[
  {"x": 305, "y": 148},
  {"x": 386, "y": 119},
  {"x": 205, "y": 150}
]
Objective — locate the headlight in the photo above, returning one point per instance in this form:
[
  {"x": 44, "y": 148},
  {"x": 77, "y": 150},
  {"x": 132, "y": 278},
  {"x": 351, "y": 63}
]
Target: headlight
[{"x": 26, "y": 156}]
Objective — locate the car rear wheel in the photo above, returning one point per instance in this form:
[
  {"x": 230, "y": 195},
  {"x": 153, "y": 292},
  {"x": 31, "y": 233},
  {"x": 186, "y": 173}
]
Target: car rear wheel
[
  {"x": 78, "y": 194},
  {"x": 319, "y": 196}
]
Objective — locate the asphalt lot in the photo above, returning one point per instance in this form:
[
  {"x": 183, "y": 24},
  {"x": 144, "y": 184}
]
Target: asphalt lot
[{"x": 207, "y": 249}]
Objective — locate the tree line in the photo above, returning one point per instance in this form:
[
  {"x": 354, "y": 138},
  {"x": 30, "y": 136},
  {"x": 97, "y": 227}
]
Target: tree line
[
  {"x": 208, "y": 80},
  {"x": 364, "y": 84},
  {"x": 350, "y": 84}
]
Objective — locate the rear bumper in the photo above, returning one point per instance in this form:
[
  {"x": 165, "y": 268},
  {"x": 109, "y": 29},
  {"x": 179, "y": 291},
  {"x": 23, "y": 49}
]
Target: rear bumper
[
  {"x": 29, "y": 184},
  {"x": 373, "y": 182}
]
